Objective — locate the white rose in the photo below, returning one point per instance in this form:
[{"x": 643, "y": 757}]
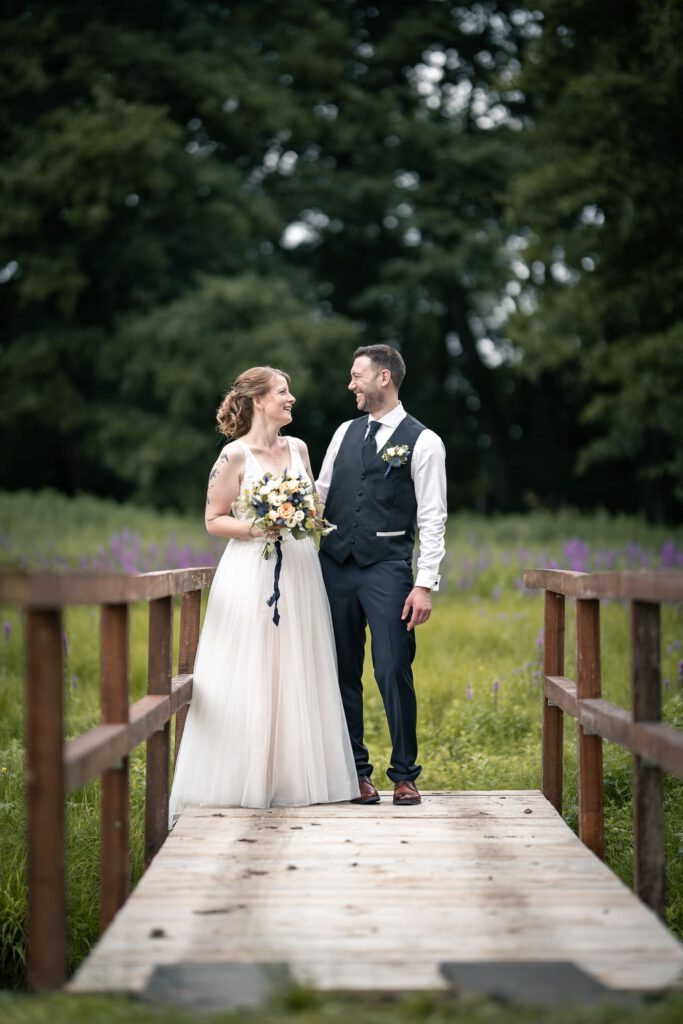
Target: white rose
[{"x": 299, "y": 516}]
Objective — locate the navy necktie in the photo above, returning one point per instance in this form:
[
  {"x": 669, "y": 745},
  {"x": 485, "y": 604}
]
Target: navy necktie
[{"x": 369, "y": 449}]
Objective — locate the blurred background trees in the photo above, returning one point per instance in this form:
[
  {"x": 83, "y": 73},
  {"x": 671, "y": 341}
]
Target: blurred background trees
[{"x": 191, "y": 188}]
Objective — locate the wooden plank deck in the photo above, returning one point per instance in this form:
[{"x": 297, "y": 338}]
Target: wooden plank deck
[{"x": 377, "y": 897}]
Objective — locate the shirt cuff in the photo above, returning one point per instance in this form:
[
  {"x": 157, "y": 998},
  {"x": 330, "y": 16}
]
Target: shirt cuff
[{"x": 427, "y": 579}]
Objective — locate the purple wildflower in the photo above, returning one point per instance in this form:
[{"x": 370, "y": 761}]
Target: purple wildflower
[
  {"x": 668, "y": 555},
  {"x": 7, "y": 630},
  {"x": 577, "y": 554},
  {"x": 468, "y": 691}
]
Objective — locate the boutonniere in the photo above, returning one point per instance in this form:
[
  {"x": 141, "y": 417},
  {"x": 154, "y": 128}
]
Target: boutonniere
[{"x": 396, "y": 457}]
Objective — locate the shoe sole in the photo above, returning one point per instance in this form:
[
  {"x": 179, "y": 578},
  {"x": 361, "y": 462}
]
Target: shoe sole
[
  {"x": 407, "y": 803},
  {"x": 367, "y": 800}
]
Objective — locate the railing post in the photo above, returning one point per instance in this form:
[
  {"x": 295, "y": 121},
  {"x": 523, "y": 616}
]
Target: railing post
[
  {"x": 47, "y": 951},
  {"x": 648, "y": 799},
  {"x": 591, "y": 795},
  {"x": 114, "y": 829},
  {"x": 553, "y": 665},
  {"x": 158, "y": 745},
  {"x": 190, "y": 613}
]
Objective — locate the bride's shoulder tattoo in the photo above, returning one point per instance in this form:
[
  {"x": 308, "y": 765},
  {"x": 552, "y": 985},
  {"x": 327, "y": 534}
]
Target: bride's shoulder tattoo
[{"x": 222, "y": 458}]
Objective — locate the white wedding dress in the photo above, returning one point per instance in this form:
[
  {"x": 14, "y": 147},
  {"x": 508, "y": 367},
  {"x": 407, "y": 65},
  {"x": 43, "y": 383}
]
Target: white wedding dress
[{"x": 266, "y": 724}]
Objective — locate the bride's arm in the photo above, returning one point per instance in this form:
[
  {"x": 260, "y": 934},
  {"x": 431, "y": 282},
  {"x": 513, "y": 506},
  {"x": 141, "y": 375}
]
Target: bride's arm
[{"x": 222, "y": 491}]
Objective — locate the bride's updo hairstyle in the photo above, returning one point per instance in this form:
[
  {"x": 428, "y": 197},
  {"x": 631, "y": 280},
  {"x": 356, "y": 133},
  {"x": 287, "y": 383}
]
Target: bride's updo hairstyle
[{"x": 237, "y": 408}]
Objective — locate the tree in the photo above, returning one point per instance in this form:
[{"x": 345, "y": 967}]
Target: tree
[
  {"x": 410, "y": 144},
  {"x": 131, "y": 236},
  {"x": 603, "y": 308}
]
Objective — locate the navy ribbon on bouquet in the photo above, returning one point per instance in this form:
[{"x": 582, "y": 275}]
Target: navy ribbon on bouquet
[{"x": 275, "y": 596}]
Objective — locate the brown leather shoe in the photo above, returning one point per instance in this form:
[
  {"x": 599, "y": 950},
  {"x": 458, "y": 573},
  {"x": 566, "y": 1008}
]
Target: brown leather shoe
[
  {"x": 406, "y": 793},
  {"x": 368, "y": 793}
]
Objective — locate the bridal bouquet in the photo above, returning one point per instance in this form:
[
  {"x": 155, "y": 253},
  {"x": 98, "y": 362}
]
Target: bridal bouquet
[{"x": 287, "y": 504}]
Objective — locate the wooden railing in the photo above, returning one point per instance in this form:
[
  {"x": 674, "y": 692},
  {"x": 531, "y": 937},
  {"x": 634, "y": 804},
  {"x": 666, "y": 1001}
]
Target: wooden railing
[
  {"x": 56, "y": 768},
  {"x": 654, "y": 745}
]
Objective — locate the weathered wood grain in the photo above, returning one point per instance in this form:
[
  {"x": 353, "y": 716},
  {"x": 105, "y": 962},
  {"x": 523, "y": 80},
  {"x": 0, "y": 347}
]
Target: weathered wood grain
[
  {"x": 645, "y": 585},
  {"x": 377, "y": 897},
  {"x": 553, "y": 721},
  {"x": 99, "y": 748},
  {"x": 591, "y": 800},
  {"x": 190, "y": 615},
  {"x": 45, "y": 798},
  {"x": 114, "y": 817},
  {"x": 159, "y": 655},
  {"x": 648, "y": 788},
  {"x": 55, "y": 590}
]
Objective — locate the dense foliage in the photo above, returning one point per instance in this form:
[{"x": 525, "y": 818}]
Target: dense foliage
[{"x": 189, "y": 188}]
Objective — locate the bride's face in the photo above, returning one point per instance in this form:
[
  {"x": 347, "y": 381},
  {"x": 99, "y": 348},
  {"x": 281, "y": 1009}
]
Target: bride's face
[{"x": 276, "y": 404}]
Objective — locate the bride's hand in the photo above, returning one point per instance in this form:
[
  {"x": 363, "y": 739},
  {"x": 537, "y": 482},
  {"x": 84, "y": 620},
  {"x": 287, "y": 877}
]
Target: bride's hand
[{"x": 259, "y": 533}]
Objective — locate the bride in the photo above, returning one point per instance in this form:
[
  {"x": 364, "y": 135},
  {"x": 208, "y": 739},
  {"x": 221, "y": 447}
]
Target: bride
[{"x": 266, "y": 724}]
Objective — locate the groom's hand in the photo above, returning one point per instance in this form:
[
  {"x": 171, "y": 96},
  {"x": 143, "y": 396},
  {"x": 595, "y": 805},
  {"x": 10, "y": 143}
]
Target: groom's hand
[{"x": 418, "y": 607}]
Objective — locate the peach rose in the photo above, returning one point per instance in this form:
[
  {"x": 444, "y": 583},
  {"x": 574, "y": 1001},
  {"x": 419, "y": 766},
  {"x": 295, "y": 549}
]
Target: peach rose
[{"x": 286, "y": 509}]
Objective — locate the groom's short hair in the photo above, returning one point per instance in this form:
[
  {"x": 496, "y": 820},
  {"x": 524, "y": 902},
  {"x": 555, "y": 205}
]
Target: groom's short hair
[{"x": 386, "y": 358}]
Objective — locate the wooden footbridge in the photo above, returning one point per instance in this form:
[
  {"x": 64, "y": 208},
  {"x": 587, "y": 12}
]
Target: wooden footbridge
[{"x": 342, "y": 896}]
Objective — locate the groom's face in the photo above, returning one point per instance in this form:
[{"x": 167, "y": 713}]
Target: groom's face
[{"x": 365, "y": 384}]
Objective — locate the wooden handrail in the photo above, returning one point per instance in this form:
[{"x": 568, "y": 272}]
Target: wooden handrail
[
  {"x": 659, "y": 587},
  {"x": 656, "y": 747},
  {"x": 56, "y": 590},
  {"x": 55, "y": 768}
]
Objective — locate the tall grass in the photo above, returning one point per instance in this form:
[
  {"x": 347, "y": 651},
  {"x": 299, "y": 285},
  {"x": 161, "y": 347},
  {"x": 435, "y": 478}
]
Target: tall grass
[{"x": 477, "y": 670}]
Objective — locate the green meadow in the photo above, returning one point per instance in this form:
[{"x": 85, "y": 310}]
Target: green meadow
[{"x": 479, "y": 687}]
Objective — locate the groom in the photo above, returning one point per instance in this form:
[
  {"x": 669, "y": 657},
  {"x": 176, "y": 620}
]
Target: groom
[{"x": 382, "y": 473}]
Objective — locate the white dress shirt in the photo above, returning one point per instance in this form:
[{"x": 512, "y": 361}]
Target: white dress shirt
[{"x": 428, "y": 472}]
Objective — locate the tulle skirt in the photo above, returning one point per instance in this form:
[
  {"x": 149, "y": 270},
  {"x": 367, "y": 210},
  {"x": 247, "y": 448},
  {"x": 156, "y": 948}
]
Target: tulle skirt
[{"x": 266, "y": 724}]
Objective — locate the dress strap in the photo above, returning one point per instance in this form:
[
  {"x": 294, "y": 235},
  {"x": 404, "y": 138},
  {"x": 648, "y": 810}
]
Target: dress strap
[
  {"x": 296, "y": 455},
  {"x": 245, "y": 448}
]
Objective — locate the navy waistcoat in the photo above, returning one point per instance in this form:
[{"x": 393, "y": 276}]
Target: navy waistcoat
[{"x": 375, "y": 513}]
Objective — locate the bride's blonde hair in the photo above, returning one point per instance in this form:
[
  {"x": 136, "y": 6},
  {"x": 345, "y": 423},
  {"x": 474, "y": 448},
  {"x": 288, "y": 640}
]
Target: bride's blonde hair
[{"x": 235, "y": 412}]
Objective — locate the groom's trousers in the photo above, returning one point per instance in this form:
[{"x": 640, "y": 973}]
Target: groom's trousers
[{"x": 375, "y": 595}]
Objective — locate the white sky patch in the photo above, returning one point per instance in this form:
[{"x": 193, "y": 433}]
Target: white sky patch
[
  {"x": 453, "y": 343},
  {"x": 456, "y": 98},
  {"x": 328, "y": 111},
  {"x": 8, "y": 271},
  {"x": 592, "y": 215},
  {"x": 412, "y": 237},
  {"x": 407, "y": 179},
  {"x": 304, "y": 231},
  {"x": 561, "y": 273},
  {"x": 489, "y": 353}
]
